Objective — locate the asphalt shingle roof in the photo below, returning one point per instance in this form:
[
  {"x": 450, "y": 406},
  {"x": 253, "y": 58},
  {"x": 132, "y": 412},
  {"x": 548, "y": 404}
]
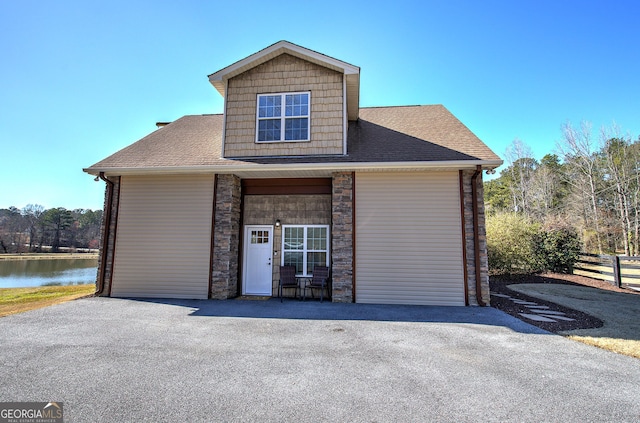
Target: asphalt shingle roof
[{"x": 382, "y": 134}]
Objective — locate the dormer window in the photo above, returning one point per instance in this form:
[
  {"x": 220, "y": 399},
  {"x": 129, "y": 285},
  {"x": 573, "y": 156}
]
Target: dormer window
[{"x": 283, "y": 117}]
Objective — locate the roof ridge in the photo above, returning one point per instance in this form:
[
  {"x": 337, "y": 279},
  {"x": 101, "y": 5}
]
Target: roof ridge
[
  {"x": 402, "y": 105},
  {"x": 200, "y": 115}
]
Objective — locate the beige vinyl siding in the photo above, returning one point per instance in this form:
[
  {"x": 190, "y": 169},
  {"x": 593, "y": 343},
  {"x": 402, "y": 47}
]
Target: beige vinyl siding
[
  {"x": 163, "y": 241},
  {"x": 408, "y": 239}
]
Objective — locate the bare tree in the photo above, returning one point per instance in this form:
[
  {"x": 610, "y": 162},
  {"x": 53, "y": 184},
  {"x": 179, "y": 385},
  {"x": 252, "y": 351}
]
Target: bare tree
[
  {"x": 578, "y": 151},
  {"x": 521, "y": 170},
  {"x": 635, "y": 156},
  {"x": 549, "y": 191},
  {"x": 32, "y": 214},
  {"x": 621, "y": 163}
]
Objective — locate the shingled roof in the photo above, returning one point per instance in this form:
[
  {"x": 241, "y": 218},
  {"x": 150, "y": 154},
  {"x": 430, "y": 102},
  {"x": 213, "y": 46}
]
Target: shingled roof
[{"x": 406, "y": 136}]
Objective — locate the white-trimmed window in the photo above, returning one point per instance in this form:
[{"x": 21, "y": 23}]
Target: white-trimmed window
[
  {"x": 283, "y": 117},
  {"x": 305, "y": 246}
]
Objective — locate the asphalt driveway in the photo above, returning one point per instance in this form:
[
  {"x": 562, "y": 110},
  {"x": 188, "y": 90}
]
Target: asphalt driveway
[{"x": 116, "y": 360}]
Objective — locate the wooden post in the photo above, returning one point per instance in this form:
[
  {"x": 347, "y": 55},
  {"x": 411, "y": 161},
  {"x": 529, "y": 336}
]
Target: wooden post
[{"x": 615, "y": 261}]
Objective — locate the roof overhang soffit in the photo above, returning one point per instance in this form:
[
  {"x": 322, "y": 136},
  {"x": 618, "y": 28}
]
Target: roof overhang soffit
[
  {"x": 301, "y": 170},
  {"x": 351, "y": 72}
]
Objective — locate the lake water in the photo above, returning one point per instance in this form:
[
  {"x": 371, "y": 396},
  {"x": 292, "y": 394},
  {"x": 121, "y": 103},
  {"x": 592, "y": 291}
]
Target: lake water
[{"x": 25, "y": 273}]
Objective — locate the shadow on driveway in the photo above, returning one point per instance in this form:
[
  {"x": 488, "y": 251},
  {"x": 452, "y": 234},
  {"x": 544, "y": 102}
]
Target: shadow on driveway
[{"x": 314, "y": 310}]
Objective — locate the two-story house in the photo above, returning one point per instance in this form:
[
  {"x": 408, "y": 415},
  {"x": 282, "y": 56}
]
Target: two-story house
[{"x": 294, "y": 172}]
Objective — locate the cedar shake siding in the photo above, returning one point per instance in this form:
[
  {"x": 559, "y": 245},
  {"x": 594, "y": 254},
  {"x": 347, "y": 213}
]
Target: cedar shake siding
[{"x": 284, "y": 74}]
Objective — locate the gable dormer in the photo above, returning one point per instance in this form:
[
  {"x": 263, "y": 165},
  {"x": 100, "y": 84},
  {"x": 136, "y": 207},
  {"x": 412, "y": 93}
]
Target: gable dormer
[{"x": 287, "y": 100}]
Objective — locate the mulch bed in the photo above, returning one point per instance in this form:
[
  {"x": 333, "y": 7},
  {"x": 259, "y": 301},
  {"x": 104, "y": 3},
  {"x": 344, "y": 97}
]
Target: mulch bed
[{"x": 498, "y": 284}]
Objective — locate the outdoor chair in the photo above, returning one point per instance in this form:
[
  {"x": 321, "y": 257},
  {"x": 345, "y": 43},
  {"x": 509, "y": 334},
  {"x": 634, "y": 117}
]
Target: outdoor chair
[
  {"x": 320, "y": 280},
  {"x": 287, "y": 280}
]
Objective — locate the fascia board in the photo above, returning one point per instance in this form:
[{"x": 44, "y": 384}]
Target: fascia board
[
  {"x": 338, "y": 167},
  {"x": 217, "y": 78},
  {"x": 353, "y": 96}
]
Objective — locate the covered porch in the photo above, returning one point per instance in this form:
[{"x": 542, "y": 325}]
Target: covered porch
[{"x": 300, "y": 222}]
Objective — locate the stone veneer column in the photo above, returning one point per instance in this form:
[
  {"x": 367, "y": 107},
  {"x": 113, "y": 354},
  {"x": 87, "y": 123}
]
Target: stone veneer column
[
  {"x": 342, "y": 237},
  {"x": 226, "y": 237},
  {"x": 105, "y": 268},
  {"x": 469, "y": 241}
]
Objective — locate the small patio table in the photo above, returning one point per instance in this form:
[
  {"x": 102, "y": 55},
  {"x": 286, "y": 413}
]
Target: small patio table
[{"x": 303, "y": 281}]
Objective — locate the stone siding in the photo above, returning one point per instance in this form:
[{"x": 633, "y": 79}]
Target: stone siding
[
  {"x": 469, "y": 240},
  {"x": 110, "y": 234},
  {"x": 342, "y": 237},
  {"x": 282, "y": 74},
  {"x": 224, "y": 273}
]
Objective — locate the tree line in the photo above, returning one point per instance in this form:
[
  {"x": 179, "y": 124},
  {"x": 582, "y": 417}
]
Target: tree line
[
  {"x": 36, "y": 229},
  {"x": 589, "y": 185}
]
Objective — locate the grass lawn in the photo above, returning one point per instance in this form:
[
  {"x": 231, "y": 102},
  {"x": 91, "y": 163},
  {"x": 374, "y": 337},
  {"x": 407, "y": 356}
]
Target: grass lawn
[
  {"x": 618, "y": 310},
  {"x": 17, "y": 300}
]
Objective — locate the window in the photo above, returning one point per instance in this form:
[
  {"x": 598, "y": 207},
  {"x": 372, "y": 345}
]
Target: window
[
  {"x": 305, "y": 247},
  {"x": 259, "y": 237},
  {"x": 283, "y": 117}
]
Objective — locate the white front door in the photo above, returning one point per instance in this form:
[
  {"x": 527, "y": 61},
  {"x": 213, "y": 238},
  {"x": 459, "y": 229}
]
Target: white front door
[{"x": 258, "y": 266}]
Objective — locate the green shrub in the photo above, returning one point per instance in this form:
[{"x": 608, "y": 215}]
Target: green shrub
[
  {"x": 510, "y": 244},
  {"x": 557, "y": 248},
  {"x": 516, "y": 245}
]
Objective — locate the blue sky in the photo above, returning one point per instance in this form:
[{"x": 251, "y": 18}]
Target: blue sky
[{"x": 81, "y": 79}]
